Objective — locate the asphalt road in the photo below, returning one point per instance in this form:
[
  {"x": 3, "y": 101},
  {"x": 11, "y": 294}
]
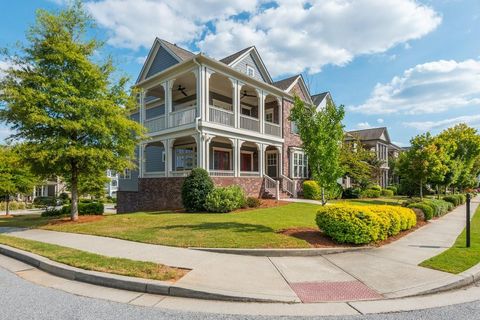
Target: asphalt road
[{"x": 20, "y": 299}]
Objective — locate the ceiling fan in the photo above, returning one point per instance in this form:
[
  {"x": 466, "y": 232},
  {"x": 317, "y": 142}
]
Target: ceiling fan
[
  {"x": 245, "y": 94},
  {"x": 182, "y": 90}
]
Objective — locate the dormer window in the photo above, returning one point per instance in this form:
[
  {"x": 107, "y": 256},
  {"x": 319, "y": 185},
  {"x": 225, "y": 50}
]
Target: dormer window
[{"x": 250, "y": 71}]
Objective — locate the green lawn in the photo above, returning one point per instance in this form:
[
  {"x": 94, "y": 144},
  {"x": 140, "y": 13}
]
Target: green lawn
[
  {"x": 95, "y": 262},
  {"x": 459, "y": 258},
  {"x": 396, "y": 201}
]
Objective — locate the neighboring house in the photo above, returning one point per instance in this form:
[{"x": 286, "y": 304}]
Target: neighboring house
[
  {"x": 378, "y": 141},
  {"x": 50, "y": 188},
  {"x": 111, "y": 187},
  {"x": 226, "y": 116}
]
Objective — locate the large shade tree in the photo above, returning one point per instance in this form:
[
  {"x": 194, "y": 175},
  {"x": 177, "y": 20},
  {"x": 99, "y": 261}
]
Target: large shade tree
[
  {"x": 321, "y": 132},
  {"x": 69, "y": 107}
]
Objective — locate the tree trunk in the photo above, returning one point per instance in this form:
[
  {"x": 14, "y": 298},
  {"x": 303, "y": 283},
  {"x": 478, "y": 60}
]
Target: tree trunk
[
  {"x": 74, "y": 205},
  {"x": 421, "y": 188},
  {"x": 323, "y": 197},
  {"x": 438, "y": 192},
  {"x": 7, "y": 205}
]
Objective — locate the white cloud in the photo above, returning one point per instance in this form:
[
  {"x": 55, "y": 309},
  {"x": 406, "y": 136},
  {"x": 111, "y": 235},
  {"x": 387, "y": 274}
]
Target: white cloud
[
  {"x": 307, "y": 36},
  {"x": 380, "y": 120},
  {"x": 363, "y": 125},
  {"x": 4, "y": 133},
  {"x": 3, "y": 66},
  {"x": 136, "y": 23},
  {"x": 141, "y": 60},
  {"x": 471, "y": 120},
  {"x": 431, "y": 87}
]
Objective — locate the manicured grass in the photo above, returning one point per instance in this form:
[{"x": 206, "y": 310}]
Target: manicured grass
[
  {"x": 95, "y": 262},
  {"x": 24, "y": 221},
  {"x": 396, "y": 201},
  {"x": 459, "y": 258}
]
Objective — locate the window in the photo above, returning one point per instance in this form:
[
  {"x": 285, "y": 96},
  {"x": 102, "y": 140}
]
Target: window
[
  {"x": 246, "y": 110},
  {"x": 222, "y": 159},
  {"x": 185, "y": 158},
  {"x": 250, "y": 71},
  {"x": 163, "y": 156},
  {"x": 113, "y": 183},
  {"x": 293, "y": 127},
  {"x": 222, "y": 105},
  {"x": 299, "y": 164},
  {"x": 127, "y": 174},
  {"x": 269, "y": 115}
]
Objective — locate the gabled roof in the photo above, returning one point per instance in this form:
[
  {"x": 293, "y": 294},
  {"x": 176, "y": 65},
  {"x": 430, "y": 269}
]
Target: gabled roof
[
  {"x": 228, "y": 60},
  {"x": 289, "y": 83},
  {"x": 233, "y": 59},
  {"x": 286, "y": 83},
  {"x": 318, "y": 98},
  {"x": 176, "y": 52},
  {"x": 371, "y": 134}
]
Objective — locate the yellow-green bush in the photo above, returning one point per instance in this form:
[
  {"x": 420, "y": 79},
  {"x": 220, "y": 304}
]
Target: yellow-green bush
[
  {"x": 311, "y": 190},
  {"x": 13, "y": 205},
  {"x": 364, "y": 224}
]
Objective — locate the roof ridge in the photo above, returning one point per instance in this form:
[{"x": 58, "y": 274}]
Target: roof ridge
[{"x": 232, "y": 57}]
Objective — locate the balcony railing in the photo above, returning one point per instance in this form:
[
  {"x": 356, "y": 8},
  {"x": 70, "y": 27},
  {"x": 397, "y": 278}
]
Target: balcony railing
[
  {"x": 249, "y": 123},
  {"x": 155, "y": 124},
  {"x": 273, "y": 129},
  {"x": 182, "y": 117},
  {"x": 222, "y": 173},
  {"x": 249, "y": 174},
  {"x": 183, "y": 173},
  {"x": 154, "y": 174},
  {"x": 224, "y": 117}
]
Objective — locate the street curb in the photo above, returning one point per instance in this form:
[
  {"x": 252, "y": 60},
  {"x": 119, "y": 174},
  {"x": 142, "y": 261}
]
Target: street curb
[
  {"x": 119, "y": 281},
  {"x": 307, "y": 252}
]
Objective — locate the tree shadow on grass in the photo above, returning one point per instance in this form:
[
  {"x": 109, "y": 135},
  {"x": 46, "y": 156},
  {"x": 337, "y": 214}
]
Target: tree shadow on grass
[{"x": 214, "y": 226}]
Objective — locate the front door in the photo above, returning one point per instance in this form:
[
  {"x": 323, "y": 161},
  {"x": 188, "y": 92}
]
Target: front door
[
  {"x": 246, "y": 162},
  {"x": 272, "y": 160},
  {"x": 221, "y": 160}
]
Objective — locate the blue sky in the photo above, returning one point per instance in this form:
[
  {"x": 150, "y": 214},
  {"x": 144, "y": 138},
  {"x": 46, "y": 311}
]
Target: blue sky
[{"x": 409, "y": 65}]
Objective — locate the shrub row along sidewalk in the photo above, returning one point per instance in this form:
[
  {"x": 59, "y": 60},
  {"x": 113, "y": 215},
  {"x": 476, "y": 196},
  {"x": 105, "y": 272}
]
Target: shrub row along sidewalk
[
  {"x": 459, "y": 258},
  {"x": 95, "y": 262}
]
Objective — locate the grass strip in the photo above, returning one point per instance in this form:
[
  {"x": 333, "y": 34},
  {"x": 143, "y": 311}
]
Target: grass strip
[
  {"x": 459, "y": 258},
  {"x": 95, "y": 262}
]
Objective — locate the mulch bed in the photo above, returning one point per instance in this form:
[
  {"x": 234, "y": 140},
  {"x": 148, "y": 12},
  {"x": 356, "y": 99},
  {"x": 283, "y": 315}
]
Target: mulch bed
[
  {"x": 81, "y": 219},
  {"x": 317, "y": 239}
]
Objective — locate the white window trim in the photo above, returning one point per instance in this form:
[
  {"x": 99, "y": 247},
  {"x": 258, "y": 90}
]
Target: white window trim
[
  {"x": 126, "y": 175},
  {"x": 266, "y": 160},
  {"x": 225, "y": 150},
  {"x": 222, "y": 105},
  {"x": 251, "y": 155},
  {"x": 303, "y": 166},
  {"x": 268, "y": 112},
  {"x": 192, "y": 145},
  {"x": 242, "y": 106},
  {"x": 252, "y": 70}
]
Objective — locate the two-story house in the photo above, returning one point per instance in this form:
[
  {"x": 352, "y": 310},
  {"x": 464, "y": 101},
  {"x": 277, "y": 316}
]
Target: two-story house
[
  {"x": 227, "y": 116},
  {"x": 378, "y": 141}
]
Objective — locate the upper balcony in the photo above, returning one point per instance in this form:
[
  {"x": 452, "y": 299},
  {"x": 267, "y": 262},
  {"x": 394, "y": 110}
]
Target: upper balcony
[{"x": 231, "y": 104}]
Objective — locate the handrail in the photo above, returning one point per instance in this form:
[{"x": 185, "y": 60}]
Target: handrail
[
  {"x": 249, "y": 117},
  {"x": 273, "y": 186},
  {"x": 220, "y": 109},
  {"x": 290, "y": 186},
  {"x": 183, "y": 110}
]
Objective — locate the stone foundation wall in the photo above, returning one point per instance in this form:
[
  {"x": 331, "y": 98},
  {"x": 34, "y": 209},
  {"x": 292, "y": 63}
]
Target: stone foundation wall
[{"x": 165, "y": 193}]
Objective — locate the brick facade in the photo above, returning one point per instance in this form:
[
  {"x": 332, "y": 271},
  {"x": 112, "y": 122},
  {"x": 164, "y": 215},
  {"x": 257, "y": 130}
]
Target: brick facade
[{"x": 165, "y": 193}]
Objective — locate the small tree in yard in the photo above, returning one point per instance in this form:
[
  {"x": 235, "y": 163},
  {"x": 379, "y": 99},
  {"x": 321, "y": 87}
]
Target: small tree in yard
[
  {"x": 67, "y": 108},
  {"x": 15, "y": 176},
  {"x": 322, "y": 136},
  {"x": 195, "y": 190}
]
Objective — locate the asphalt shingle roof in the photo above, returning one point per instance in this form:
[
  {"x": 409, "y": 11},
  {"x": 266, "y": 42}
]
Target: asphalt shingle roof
[
  {"x": 368, "y": 134},
  {"x": 284, "y": 84},
  {"x": 183, "y": 54},
  {"x": 233, "y": 57},
  {"x": 318, "y": 98}
]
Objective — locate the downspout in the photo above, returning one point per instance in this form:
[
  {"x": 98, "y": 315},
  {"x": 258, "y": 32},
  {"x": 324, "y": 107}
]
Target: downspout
[{"x": 198, "y": 117}]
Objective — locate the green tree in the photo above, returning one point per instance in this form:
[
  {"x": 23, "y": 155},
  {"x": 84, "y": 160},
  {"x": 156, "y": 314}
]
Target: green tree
[
  {"x": 15, "y": 175},
  {"x": 69, "y": 108},
  {"x": 322, "y": 135},
  {"x": 422, "y": 163},
  {"x": 356, "y": 162}
]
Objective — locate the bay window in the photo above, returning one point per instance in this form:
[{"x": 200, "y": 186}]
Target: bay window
[{"x": 299, "y": 164}]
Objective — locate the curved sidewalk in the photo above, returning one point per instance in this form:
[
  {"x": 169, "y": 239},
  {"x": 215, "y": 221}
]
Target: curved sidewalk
[{"x": 387, "y": 272}]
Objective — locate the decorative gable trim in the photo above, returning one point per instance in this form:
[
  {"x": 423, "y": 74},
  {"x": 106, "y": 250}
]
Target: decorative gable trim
[
  {"x": 301, "y": 83},
  {"x": 258, "y": 61},
  {"x": 157, "y": 44}
]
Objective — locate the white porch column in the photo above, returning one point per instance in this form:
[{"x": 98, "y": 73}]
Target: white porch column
[
  {"x": 141, "y": 160},
  {"x": 208, "y": 74},
  {"x": 141, "y": 112},
  {"x": 237, "y": 145},
  {"x": 261, "y": 159},
  {"x": 167, "y": 153},
  {"x": 280, "y": 115},
  {"x": 235, "y": 102},
  {"x": 208, "y": 139},
  {"x": 280, "y": 161},
  {"x": 169, "y": 157},
  {"x": 200, "y": 149},
  {"x": 168, "y": 85},
  {"x": 261, "y": 110}
]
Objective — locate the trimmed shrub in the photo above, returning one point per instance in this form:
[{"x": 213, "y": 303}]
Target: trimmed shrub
[
  {"x": 387, "y": 193},
  {"x": 456, "y": 199},
  {"x": 195, "y": 190},
  {"x": 370, "y": 193},
  {"x": 13, "y": 205},
  {"x": 334, "y": 193},
  {"x": 311, "y": 190},
  {"x": 253, "y": 202},
  {"x": 426, "y": 209},
  {"x": 375, "y": 187},
  {"x": 393, "y": 189},
  {"x": 225, "y": 199},
  {"x": 351, "y": 193},
  {"x": 92, "y": 208},
  {"x": 52, "y": 212},
  {"x": 45, "y": 202},
  {"x": 439, "y": 207},
  {"x": 364, "y": 224}
]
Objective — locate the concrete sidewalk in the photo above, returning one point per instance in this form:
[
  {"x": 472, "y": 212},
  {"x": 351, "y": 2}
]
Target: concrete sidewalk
[{"x": 389, "y": 271}]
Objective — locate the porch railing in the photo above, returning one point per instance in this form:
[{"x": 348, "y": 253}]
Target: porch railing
[
  {"x": 289, "y": 186},
  {"x": 249, "y": 123},
  {"x": 179, "y": 173},
  {"x": 155, "y": 124},
  {"x": 273, "y": 129},
  {"x": 222, "y": 173},
  {"x": 224, "y": 117},
  {"x": 249, "y": 174},
  {"x": 154, "y": 174},
  {"x": 181, "y": 117},
  {"x": 272, "y": 186}
]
